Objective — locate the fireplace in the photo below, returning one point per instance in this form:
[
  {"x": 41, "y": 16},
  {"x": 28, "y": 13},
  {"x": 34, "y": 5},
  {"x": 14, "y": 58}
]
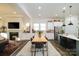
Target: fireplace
[{"x": 13, "y": 34}]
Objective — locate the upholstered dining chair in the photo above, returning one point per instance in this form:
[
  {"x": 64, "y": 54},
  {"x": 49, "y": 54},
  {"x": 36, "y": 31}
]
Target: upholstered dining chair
[{"x": 32, "y": 46}]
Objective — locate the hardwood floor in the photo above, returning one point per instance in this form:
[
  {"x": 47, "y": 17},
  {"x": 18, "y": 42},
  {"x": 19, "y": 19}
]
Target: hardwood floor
[{"x": 61, "y": 50}]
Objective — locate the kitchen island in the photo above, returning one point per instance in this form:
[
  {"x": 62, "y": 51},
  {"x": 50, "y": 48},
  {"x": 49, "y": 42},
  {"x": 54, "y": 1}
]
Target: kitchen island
[{"x": 69, "y": 42}]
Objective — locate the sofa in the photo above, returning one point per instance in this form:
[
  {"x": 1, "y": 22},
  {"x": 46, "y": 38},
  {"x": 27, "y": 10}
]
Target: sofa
[{"x": 3, "y": 43}]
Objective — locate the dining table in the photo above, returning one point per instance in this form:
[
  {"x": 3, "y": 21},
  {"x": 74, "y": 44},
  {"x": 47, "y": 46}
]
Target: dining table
[{"x": 39, "y": 41}]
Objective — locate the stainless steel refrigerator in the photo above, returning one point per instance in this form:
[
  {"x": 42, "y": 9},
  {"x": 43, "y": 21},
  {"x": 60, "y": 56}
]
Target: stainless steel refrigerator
[{"x": 57, "y": 30}]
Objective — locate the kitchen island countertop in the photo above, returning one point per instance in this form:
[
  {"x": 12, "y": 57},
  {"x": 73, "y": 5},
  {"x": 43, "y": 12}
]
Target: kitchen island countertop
[{"x": 69, "y": 36}]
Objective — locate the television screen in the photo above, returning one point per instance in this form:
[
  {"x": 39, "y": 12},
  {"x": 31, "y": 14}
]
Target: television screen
[{"x": 13, "y": 25}]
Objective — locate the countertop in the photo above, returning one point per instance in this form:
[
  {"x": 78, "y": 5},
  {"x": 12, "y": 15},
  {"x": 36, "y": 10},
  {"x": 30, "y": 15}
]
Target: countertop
[{"x": 69, "y": 36}]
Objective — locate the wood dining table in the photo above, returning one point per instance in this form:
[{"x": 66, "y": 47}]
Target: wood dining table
[{"x": 39, "y": 39}]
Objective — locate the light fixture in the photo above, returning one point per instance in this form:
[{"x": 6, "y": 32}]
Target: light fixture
[
  {"x": 0, "y": 18},
  {"x": 70, "y": 16},
  {"x": 39, "y": 14},
  {"x": 64, "y": 8},
  {"x": 39, "y": 7},
  {"x": 56, "y": 14},
  {"x": 64, "y": 18},
  {"x": 27, "y": 24},
  {"x": 64, "y": 24},
  {"x": 14, "y": 12}
]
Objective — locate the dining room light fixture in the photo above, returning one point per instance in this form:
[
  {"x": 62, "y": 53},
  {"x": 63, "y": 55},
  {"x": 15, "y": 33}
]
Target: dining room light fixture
[{"x": 70, "y": 16}]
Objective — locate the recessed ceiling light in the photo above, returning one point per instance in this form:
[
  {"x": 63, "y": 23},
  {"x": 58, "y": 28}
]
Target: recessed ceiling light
[
  {"x": 39, "y": 14},
  {"x": 14, "y": 12},
  {"x": 70, "y": 15},
  {"x": 56, "y": 14},
  {"x": 39, "y": 7},
  {"x": 64, "y": 8},
  {"x": 0, "y": 17}
]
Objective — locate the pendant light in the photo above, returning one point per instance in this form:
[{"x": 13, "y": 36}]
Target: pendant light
[
  {"x": 64, "y": 24},
  {"x": 64, "y": 18},
  {"x": 70, "y": 16}
]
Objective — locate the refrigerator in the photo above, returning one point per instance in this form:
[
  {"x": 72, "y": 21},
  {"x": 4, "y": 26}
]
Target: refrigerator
[{"x": 57, "y": 30}]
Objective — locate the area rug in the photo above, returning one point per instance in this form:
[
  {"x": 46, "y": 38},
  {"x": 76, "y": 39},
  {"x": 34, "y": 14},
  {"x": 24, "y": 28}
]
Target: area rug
[
  {"x": 26, "y": 51},
  {"x": 10, "y": 48}
]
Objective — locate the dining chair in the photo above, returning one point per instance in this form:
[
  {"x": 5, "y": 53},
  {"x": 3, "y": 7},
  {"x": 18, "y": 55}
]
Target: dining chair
[
  {"x": 32, "y": 47},
  {"x": 39, "y": 47},
  {"x": 46, "y": 46}
]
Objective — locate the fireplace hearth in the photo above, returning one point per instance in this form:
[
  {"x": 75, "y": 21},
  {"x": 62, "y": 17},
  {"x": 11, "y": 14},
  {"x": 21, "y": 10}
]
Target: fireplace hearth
[{"x": 13, "y": 35}]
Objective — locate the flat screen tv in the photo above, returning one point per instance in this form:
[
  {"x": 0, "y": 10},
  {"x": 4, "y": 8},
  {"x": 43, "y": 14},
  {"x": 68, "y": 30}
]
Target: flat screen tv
[{"x": 13, "y": 25}]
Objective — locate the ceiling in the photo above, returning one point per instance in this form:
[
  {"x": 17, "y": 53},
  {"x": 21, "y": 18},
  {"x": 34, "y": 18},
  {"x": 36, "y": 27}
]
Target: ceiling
[
  {"x": 11, "y": 10},
  {"x": 30, "y": 10},
  {"x": 49, "y": 10}
]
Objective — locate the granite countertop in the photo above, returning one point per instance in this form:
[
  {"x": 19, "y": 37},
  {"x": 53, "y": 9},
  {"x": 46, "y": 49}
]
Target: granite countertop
[{"x": 69, "y": 36}]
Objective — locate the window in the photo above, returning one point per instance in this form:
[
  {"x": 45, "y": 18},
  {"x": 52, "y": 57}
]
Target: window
[
  {"x": 36, "y": 26},
  {"x": 50, "y": 27},
  {"x": 39, "y": 27},
  {"x": 42, "y": 27}
]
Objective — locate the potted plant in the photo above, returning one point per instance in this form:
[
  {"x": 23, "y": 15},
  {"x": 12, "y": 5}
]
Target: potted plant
[{"x": 39, "y": 33}]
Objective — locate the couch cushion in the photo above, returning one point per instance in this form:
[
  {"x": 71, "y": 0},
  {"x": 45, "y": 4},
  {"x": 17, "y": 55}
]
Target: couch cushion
[{"x": 1, "y": 38}]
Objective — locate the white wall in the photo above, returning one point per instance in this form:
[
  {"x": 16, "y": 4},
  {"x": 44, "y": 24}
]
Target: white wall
[
  {"x": 50, "y": 36},
  {"x": 27, "y": 36},
  {"x": 14, "y": 20}
]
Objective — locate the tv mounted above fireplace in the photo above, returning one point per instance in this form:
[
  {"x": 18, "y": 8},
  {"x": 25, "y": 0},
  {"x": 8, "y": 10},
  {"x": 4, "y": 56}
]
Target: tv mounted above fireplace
[{"x": 13, "y": 25}]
